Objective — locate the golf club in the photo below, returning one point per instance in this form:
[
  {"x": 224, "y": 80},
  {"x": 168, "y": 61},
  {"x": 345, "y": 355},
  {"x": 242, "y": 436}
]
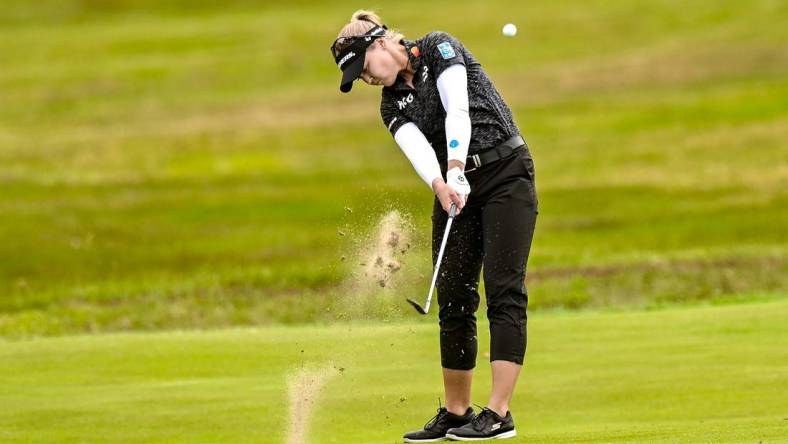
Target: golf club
[{"x": 426, "y": 308}]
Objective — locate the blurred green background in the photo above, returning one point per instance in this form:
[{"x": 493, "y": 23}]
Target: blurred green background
[
  {"x": 188, "y": 164},
  {"x": 191, "y": 165}
]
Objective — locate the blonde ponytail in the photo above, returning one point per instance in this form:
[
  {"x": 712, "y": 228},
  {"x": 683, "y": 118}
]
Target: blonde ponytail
[
  {"x": 366, "y": 15},
  {"x": 362, "y": 21}
]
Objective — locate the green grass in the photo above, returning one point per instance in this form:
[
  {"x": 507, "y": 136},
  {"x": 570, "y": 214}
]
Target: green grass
[
  {"x": 702, "y": 374},
  {"x": 166, "y": 166},
  {"x": 171, "y": 169}
]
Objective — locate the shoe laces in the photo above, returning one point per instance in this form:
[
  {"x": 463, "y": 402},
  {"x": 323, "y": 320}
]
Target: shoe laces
[
  {"x": 480, "y": 420},
  {"x": 441, "y": 412}
]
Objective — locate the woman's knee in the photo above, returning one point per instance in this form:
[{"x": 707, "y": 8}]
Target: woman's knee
[
  {"x": 509, "y": 307},
  {"x": 457, "y": 317}
]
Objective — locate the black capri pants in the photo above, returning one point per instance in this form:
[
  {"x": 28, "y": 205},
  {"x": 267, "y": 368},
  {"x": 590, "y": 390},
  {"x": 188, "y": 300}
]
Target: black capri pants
[{"x": 494, "y": 230}]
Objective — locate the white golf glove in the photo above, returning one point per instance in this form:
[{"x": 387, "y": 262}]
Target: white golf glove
[{"x": 455, "y": 178}]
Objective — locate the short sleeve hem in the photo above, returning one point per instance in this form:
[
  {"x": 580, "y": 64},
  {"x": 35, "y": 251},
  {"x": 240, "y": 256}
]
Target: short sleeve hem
[{"x": 443, "y": 50}]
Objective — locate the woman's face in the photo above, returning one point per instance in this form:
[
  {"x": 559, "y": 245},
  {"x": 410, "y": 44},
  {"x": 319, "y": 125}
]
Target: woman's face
[{"x": 380, "y": 67}]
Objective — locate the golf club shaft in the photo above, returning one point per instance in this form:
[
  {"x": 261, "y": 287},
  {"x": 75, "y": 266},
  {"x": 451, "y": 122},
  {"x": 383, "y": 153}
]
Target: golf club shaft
[{"x": 440, "y": 256}]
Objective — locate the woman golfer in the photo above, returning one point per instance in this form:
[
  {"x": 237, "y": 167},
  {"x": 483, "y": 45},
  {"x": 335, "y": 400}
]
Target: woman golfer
[{"x": 459, "y": 135}]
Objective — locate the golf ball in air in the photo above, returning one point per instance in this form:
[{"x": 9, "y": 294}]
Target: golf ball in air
[{"x": 509, "y": 30}]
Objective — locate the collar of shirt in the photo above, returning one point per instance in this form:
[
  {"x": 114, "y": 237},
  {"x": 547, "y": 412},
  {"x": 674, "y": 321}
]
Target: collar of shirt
[{"x": 415, "y": 59}]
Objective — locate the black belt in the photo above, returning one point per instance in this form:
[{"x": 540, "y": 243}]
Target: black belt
[{"x": 499, "y": 152}]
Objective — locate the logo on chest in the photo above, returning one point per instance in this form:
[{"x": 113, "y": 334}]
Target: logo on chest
[
  {"x": 424, "y": 73},
  {"x": 402, "y": 103}
]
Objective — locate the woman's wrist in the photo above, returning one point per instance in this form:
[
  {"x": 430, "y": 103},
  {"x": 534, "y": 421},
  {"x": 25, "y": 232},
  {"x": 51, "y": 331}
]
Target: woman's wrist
[
  {"x": 455, "y": 163},
  {"x": 437, "y": 183}
]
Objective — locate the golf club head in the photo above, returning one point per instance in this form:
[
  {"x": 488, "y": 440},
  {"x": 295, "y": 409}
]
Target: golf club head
[{"x": 416, "y": 306}]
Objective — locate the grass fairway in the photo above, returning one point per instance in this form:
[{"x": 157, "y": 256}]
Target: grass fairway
[{"x": 702, "y": 374}]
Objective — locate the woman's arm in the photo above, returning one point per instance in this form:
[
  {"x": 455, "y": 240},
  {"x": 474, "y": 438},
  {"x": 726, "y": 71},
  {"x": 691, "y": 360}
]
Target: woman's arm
[
  {"x": 420, "y": 153},
  {"x": 453, "y": 90}
]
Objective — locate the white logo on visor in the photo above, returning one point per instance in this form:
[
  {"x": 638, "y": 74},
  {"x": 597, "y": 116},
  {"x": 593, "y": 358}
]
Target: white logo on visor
[
  {"x": 345, "y": 59},
  {"x": 375, "y": 32}
]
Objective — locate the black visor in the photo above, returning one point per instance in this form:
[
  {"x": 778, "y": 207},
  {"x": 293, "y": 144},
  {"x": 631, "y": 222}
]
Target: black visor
[{"x": 349, "y": 54}]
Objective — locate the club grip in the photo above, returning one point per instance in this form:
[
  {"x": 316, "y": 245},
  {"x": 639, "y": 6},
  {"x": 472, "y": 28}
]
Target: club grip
[{"x": 453, "y": 210}]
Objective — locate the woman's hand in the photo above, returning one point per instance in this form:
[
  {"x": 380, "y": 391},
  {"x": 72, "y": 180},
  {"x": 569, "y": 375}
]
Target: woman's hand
[{"x": 456, "y": 191}]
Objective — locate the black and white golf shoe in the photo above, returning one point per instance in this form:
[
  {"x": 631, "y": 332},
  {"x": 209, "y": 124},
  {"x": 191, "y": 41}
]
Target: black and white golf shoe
[
  {"x": 435, "y": 429},
  {"x": 486, "y": 425}
]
